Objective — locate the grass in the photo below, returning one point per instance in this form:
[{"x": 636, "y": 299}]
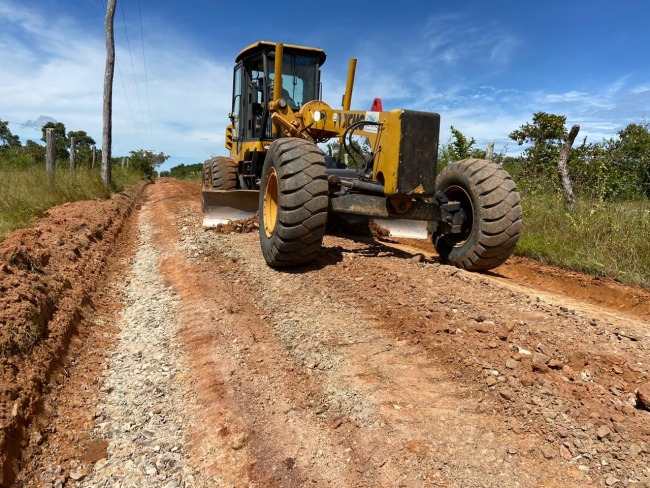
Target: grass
[
  {"x": 26, "y": 193},
  {"x": 601, "y": 238}
]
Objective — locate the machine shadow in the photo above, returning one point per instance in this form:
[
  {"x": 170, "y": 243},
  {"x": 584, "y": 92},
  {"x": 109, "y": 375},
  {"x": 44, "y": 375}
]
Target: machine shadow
[{"x": 374, "y": 248}]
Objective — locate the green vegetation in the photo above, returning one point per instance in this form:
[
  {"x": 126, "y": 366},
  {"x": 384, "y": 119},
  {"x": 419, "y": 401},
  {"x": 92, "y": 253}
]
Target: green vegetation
[
  {"x": 27, "y": 193},
  {"x": 190, "y": 172},
  {"x": 605, "y": 234},
  {"x": 25, "y": 190},
  {"x": 601, "y": 238},
  {"x": 359, "y": 148},
  {"x": 458, "y": 147},
  {"x": 146, "y": 162},
  {"x": 607, "y": 231},
  {"x": 614, "y": 169}
]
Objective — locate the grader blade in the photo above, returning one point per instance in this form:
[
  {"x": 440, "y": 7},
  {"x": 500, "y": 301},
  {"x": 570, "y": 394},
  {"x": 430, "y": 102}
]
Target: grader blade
[
  {"x": 408, "y": 229},
  {"x": 222, "y": 206}
]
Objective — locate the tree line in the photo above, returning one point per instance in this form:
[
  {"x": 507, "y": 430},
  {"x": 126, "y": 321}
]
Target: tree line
[
  {"x": 185, "y": 172},
  {"x": 611, "y": 169},
  {"x": 13, "y": 153},
  {"x": 616, "y": 168}
]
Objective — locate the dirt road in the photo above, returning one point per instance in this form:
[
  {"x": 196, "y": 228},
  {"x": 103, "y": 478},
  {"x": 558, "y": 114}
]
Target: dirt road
[{"x": 374, "y": 367}]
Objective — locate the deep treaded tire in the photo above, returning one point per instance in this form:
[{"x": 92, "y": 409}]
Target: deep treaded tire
[
  {"x": 206, "y": 175},
  {"x": 491, "y": 203},
  {"x": 293, "y": 203},
  {"x": 224, "y": 173}
]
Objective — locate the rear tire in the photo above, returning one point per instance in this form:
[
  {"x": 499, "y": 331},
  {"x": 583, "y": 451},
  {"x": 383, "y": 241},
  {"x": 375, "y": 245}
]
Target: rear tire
[
  {"x": 206, "y": 175},
  {"x": 223, "y": 173},
  {"x": 293, "y": 203},
  {"x": 493, "y": 223}
]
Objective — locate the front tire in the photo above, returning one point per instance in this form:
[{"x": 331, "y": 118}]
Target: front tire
[
  {"x": 293, "y": 203},
  {"x": 493, "y": 222}
]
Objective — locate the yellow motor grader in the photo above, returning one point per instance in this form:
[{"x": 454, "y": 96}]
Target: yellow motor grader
[{"x": 470, "y": 210}]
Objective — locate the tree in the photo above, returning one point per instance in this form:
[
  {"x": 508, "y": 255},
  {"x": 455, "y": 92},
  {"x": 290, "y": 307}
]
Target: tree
[
  {"x": 35, "y": 151},
  {"x": 546, "y": 134},
  {"x": 550, "y": 148},
  {"x": 84, "y": 144},
  {"x": 358, "y": 150},
  {"x": 7, "y": 139},
  {"x": 458, "y": 147},
  {"x": 182, "y": 171},
  {"x": 146, "y": 161},
  {"x": 61, "y": 145},
  {"x": 632, "y": 151}
]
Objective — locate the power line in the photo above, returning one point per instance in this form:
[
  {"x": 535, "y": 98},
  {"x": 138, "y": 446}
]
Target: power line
[
  {"x": 119, "y": 71},
  {"x": 135, "y": 126},
  {"x": 135, "y": 80},
  {"x": 146, "y": 78}
]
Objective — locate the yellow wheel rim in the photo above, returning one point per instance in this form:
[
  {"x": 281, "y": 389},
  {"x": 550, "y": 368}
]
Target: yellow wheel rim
[{"x": 270, "y": 202}]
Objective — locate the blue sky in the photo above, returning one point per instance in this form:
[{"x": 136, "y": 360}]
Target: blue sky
[{"x": 486, "y": 67}]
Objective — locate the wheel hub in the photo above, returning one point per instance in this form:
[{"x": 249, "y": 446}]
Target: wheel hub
[
  {"x": 270, "y": 210},
  {"x": 459, "y": 194}
]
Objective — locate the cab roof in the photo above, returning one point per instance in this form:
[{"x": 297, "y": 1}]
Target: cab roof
[{"x": 260, "y": 45}]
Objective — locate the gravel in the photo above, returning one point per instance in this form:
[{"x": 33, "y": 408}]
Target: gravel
[{"x": 141, "y": 411}]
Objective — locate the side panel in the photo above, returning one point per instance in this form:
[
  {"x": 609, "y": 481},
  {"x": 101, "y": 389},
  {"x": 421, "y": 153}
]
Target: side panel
[{"x": 418, "y": 154}]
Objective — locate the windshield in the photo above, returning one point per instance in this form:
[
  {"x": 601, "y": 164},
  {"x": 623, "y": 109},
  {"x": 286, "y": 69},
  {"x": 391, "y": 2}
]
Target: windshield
[{"x": 299, "y": 79}]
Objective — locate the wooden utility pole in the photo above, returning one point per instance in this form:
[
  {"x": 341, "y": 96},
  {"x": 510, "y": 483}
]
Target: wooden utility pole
[
  {"x": 73, "y": 154},
  {"x": 563, "y": 173},
  {"x": 50, "y": 152},
  {"x": 94, "y": 159},
  {"x": 107, "y": 137}
]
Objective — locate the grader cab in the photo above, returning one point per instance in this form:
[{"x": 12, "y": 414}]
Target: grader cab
[{"x": 471, "y": 210}]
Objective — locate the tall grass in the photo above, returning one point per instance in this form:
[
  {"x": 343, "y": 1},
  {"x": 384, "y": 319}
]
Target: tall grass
[
  {"x": 26, "y": 193},
  {"x": 604, "y": 238}
]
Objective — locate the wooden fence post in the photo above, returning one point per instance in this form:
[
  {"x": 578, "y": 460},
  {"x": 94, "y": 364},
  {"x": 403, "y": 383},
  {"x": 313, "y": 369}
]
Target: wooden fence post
[
  {"x": 92, "y": 162},
  {"x": 50, "y": 152},
  {"x": 123, "y": 162},
  {"x": 489, "y": 154},
  {"x": 562, "y": 171},
  {"x": 73, "y": 154}
]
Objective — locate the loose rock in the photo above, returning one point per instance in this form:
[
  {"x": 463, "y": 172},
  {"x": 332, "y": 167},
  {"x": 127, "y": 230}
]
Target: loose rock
[{"x": 643, "y": 396}]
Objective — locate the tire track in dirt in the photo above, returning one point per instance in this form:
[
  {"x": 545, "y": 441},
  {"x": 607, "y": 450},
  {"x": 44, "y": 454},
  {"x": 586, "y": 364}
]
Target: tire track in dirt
[
  {"x": 142, "y": 413},
  {"x": 403, "y": 419},
  {"x": 579, "y": 411},
  {"x": 400, "y": 405},
  {"x": 258, "y": 428},
  {"x": 51, "y": 277},
  {"x": 373, "y": 367},
  {"x": 581, "y": 289}
]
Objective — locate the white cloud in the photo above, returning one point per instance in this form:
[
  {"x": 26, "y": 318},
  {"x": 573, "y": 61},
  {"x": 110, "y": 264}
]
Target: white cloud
[
  {"x": 571, "y": 96},
  {"x": 617, "y": 85},
  {"x": 450, "y": 64},
  {"x": 56, "y": 68},
  {"x": 641, "y": 89}
]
